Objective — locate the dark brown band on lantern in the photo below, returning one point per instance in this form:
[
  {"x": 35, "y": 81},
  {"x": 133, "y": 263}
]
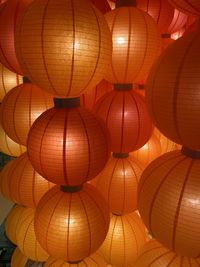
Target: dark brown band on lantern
[
  {"x": 123, "y": 86},
  {"x": 26, "y": 80},
  {"x": 121, "y": 3},
  {"x": 141, "y": 86},
  {"x": 70, "y": 189},
  {"x": 66, "y": 102},
  {"x": 166, "y": 35},
  {"x": 120, "y": 155},
  {"x": 195, "y": 154}
]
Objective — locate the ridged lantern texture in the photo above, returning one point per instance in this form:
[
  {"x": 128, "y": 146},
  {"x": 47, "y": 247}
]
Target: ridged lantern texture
[
  {"x": 166, "y": 144},
  {"x": 10, "y": 13},
  {"x": 21, "y": 183},
  {"x": 72, "y": 55},
  {"x": 75, "y": 223},
  {"x": 168, "y": 202},
  {"x": 94, "y": 260},
  {"x": 172, "y": 91},
  {"x": 156, "y": 255},
  {"x": 125, "y": 238},
  {"x": 187, "y": 6},
  {"x": 148, "y": 152},
  {"x": 26, "y": 239},
  {"x": 118, "y": 183},
  {"x": 179, "y": 20},
  {"x": 136, "y": 44},
  {"x": 68, "y": 146},
  {"x": 127, "y": 119},
  {"x": 12, "y": 222},
  {"x": 160, "y": 10},
  {"x": 8, "y": 80},
  {"x": 20, "y": 108},
  {"x": 18, "y": 259}
]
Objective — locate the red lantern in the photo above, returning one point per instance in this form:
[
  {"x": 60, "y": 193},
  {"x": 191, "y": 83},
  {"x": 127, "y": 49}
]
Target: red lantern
[
  {"x": 179, "y": 20},
  {"x": 187, "y": 6}
]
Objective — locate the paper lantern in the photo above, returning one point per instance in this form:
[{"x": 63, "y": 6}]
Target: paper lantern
[
  {"x": 168, "y": 201},
  {"x": 127, "y": 119},
  {"x": 166, "y": 144},
  {"x": 187, "y": 6},
  {"x": 160, "y": 10},
  {"x": 172, "y": 91},
  {"x": 21, "y": 183},
  {"x": 18, "y": 259},
  {"x": 95, "y": 260},
  {"x": 20, "y": 108},
  {"x": 125, "y": 238},
  {"x": 136, "y": 44},
  {"x": 179, "y": 20},
  {"x": 155, "y": 255},
  {"x": 71, "y": 225},
  {"x": 148, "y": 152},
  {"x": 8, "y": 146},
  {"x": 12, "y": 222},
  {"x": 102, "y": 5},
  {"x": 68, "y": 146},
  {"x": 118, "y": 183},
  {"x": 26, "y": 239},
  {"x": 8, "y": 80},
  {"x": 77, "y": 56},
  {"x": 10, "y": 14}
]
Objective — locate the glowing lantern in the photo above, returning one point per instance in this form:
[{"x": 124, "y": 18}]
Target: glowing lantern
[
  {"x": 136, "y": 44},
  {"x": 148, "y": 152},
  {"x": 68, "y": 146},
  {"x": 172, "y": 91},
  {"x": 168, "y": 201},
  {"x": 20, "y": 108},
  {"x": 8, "y": 80},
  {"x": 125, "y": 238},
  {"x": 11, "y": 11},
  {"x": 75, "y": 220},
  {"x": 155, "y": 255},
  {"x": 179, "y": 20},
  {"x": 187, "y": 6},
  {"x": 18, "y": 259},
  {"x": 21, "y": 183},
  {"x": 127, "y": 118},
  {"x": 77, "y": 56},
  {"x": 26, "y": 239},
  {"x": 102, "y": 5},
  {"x": 178, "y": 34}
]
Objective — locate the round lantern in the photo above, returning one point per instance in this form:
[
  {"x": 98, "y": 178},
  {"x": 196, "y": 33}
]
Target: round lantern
[
  {"x": 94, "y": 260},
  {"x": 160, "y": 10},
  {"x": 148, "y": 152},
  {"x": 11, "y": 11},
  {"x": 179, "y": 20},
  {"x": 68, "y": 146},
  {"x": 71, "y": 222},
  {"x": 127, "y": 119},
  {"x": 26, "y": 239},
  {"x": 155, "y": 255},
  {"x": 21, "y": 183},
  {"x": 118, "y": 183},
  {"x": 12, "y": 222},
  {"x": 136, "y": 44},
  {"x": 77, "y": 56},
  {"x": 18, "y": 259},
  {"x": 20, "y": 108},
  {"x": 187, "y": 6},
  {"x": 172, "y": 91},
  {"x": 168, "y": 201},
  {"x": 166, "y": 144},
  {"x": 8, "y": 80},
  {"x": 125, "y": 238}
]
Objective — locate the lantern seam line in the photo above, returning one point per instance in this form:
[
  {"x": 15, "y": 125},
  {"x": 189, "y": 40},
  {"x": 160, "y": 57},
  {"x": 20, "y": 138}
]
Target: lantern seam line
[
  {"x": 134, "y": 234},
  {"x": 111, "y": 239},
  {"x": 122, "y": 122},
  {"x": 64, "y": 150}
]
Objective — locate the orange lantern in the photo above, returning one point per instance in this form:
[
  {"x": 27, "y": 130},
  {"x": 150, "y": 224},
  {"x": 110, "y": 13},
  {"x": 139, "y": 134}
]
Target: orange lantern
[
  {"x": 148, "y": 152},
  {"x": 11, "y": 11},
  {"x": 26, "y": 239},
  {"x": 166, "y": 144},
  {"x": 127, "y": 119},
  {"x": 77, "y": 56},
  {"x": 187, "y": 6},
  {"x": 179, "y": 20},
  {"x": 118, "y": 183},
  {"x": 168, "y": 201},
  {"x": 136, "y": 44},
  {"x": 155, "y": 255},
  {"x": 172, "y": 91},
  {"x": 18, "y": 259},
  {"x": 68, "y": 146},
  {"x": 74, "y": 220},
  {"x": 160, "y": 10},
  {"x": 125, "y": 238},
  {"x": 8, "y": 80},
  {"x": 21, "y": 183},
  {"x": 20, "y": 108}
]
